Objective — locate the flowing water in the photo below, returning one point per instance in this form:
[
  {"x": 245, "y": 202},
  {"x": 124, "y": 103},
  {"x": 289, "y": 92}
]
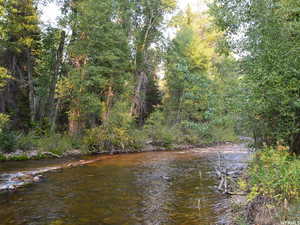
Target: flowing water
[{"x": 154, "y": 188}]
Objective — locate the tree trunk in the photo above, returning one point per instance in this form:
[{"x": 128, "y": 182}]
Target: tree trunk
[
  {"x": 295, "y": 146},
  {"x": 76, "y": 122},
  {"x": 108, "y": 103},
  {"x": 54, "y": 117},
  {"x": 138, "y": 108},
  {"x": 56, "y": 70},
  {"x": 32, "y": 98}
]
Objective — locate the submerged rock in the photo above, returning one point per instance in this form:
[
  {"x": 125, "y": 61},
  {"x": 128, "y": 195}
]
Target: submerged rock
[{"x": 37, "y": 178}]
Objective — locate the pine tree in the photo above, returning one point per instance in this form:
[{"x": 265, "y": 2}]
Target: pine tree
[{"x": 19, "y": 54}]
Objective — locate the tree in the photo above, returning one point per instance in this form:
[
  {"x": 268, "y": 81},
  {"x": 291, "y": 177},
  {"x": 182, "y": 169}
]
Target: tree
[
  {"x": 147, "y": 19},
  {"x": 19, "y": 53},
  {"x": 50, "y": 69},
  {"x": 263, "y": 33},
  {"x": 189, "y": 75},
  {"x": 99, "y": 58}
]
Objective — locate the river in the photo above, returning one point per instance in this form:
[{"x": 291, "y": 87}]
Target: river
[{"x": 153, "y": 188}]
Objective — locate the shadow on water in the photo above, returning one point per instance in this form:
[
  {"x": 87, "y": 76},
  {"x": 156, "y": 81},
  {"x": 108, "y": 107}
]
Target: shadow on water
[{"x": 159, "y": 188}]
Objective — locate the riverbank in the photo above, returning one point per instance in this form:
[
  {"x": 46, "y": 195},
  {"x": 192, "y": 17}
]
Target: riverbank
[
  {"x": 21, "y": 155},
  {"x": 271, "y": 183}
]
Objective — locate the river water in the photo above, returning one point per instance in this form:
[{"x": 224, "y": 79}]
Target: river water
[{"x": 154, "y": 188}]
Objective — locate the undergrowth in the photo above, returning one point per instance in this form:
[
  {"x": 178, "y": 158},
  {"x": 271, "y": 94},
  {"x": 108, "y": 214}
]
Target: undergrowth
[
  {"x": 272, "y": 181},
  {"x": 276, "y": 174},
  {"x": 118, "y": 132}
]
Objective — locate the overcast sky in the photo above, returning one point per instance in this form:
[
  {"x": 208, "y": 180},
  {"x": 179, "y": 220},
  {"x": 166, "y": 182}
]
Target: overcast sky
[{"x": 51, "y": 11}]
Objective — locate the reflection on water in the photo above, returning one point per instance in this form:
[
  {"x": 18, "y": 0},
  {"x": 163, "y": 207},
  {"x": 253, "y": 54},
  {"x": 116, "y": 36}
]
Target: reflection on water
[{"x": 148, "y": 188}]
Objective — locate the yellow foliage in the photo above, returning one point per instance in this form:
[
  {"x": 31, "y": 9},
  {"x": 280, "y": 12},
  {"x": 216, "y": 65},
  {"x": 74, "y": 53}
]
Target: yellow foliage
[
  {"x": 4, "y": 119},
  {"x": 4, "y": 77},
  {"x": 281, "y": 147}
]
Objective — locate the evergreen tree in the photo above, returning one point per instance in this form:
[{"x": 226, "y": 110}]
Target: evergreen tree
[{"x": 21, "y": 47}]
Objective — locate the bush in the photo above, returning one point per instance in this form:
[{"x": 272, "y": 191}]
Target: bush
[
  {"x": 56, "y": 143},
  {"x": 4, "y": 119},
  {"x": 7, "y": 138},
  {"x": 116, "y": 133},
  {"x": 7, "y": 141},
  {"x": 158, "y": 132},
  {"x": 276, "y": 174},
  {"x": 2, "y": 157},
  {"x": 108, "y": 138},
  {"x": 27, "y": 141},
  {"x": 18, "y": 157},
  {"x": 196, "y": 133},
  {"x": 140, "y": 138},
  {"x": 222, "y": 134},
  {"x": 188, "y": 136}
]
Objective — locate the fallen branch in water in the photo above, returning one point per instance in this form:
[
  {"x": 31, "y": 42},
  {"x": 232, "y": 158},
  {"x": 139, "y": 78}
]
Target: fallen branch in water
[
  {"x": 51, "y": 154},
  {"x": 228, "y": 181}
]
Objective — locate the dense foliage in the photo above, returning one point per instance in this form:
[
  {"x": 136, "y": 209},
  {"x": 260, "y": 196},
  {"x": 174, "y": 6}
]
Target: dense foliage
[
  {"x": 275, "y": 173},
  {"x": 108, "y": 76},
  {"x": 95, "y": 77},
  {"x": 196, "y": 80},
  {"x": 264, "y": 34}
]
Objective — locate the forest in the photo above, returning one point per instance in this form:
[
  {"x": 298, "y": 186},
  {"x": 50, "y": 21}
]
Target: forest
[
  {"x": 109, "y": 78},
  {"x": 120, "y": 75}
]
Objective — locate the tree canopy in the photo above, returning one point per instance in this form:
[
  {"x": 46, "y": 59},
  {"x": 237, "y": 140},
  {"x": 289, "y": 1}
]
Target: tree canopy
[{"x": 232, "y": 71}]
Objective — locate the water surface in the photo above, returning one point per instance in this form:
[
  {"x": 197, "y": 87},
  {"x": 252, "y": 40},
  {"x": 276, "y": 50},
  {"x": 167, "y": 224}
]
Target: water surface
[{"x": 160, "y": 188}]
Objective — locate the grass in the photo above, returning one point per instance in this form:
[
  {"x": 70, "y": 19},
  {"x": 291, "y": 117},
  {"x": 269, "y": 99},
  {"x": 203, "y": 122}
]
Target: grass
[{"x": 23, "y": 157}]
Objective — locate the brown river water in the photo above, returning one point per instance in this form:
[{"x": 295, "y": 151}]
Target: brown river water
[{"x": 153, "y": 188}]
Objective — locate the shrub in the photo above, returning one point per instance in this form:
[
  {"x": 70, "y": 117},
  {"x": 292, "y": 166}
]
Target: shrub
[
  {"x": 276, "y": 174},
  {"x": 196, "y": 132},
  {"x": 188, "y": 136},
  {"x": 4, "y": 119},
  {"x": 221, "y": 134},
  {"x": 7, "y": 141},
  {"x": 2, "y": 157},
  {"x": 27, "y": 141},
  {"x": 56, "y": 143},
  {"x": 18, "y": 157},
  {"x": 158, "y": 132},
  {"x": 7, "y": 138},
  {"x": 116, "y": 133},
  {"x": 202, "y": 129},
  {"x": 108, "y": 138},
  {"x": 139, "y": 138}
]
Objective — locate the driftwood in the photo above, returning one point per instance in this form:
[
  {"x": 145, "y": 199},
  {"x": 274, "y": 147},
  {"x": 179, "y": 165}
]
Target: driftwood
[
  {"x": 51, "y": 154},
  {"x": 228, "y": 179}
]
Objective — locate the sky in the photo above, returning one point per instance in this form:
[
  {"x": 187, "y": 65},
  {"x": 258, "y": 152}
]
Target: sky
[
  {"x": 51, "y": 11},
  {"x": 196, "y": 5}
]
